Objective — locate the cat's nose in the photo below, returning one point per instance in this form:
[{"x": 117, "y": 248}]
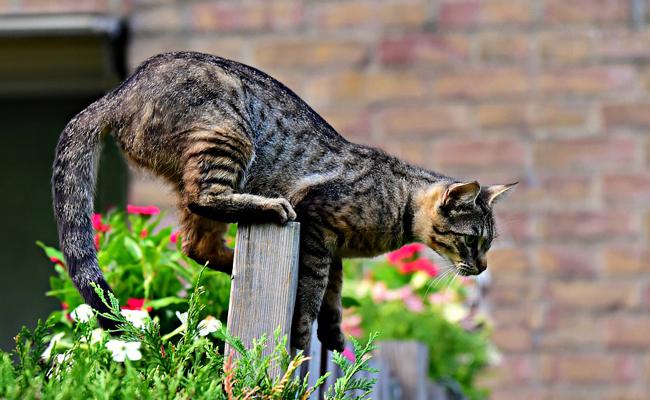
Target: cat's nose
[{"x": 481, "y": 265}]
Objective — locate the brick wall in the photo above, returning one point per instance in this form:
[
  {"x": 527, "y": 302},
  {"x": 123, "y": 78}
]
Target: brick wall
[{"x": 554, "y": 93}]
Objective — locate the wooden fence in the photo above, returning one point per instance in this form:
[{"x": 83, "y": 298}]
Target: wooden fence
[{"x": 264, "y": 282}]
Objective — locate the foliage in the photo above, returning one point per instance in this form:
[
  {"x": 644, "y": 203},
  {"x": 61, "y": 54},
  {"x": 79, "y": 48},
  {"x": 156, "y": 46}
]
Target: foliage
[
  {"x": 142, "y": 364},
  {"x": 405, "y": 296},
  {"x": 144, "y": 266}
]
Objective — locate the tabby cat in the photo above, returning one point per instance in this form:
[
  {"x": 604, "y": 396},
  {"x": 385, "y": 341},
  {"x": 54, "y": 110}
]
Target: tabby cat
[{"x": 238, "y": 146}]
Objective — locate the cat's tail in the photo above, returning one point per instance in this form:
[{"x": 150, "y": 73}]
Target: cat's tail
[{"x": 73, "y": 185}]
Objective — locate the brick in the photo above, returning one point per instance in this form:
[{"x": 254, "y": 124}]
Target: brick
[
  {"x": 560, "y": 114},
  {"x": 478, "y": 152},
  {"x": 163, "y": 18},
  {"x": 562, "y": 191},
  {"x": 308, "y": 54},
  {"x": 370, "y": 87},
  {"x": 473, "y": 14},
  {"x": 628, "y": 332},
  {"x": 623, "y": 45},
  {"x": 518, "y": 393},
  {"x": 502, "y": 115},
  {"x": 586, "y": 11},
  {"x": 512, "y": 369},
  {"x": 500, "y": 48},
  {"x": 588, "y": 368},
  {"x": 510, "y": 290},
  {"x": 515, "y": 316},
  {"x": 482, "y": 84},
  {"x": 415, "y": 151},
  {"x": 566, "y": 261},
  {"x": 64, "y": 6},
  {"x": 565, "y": 48},
  {"x": 424, "y": 49},
  {"x": 602, "y": 296},
  {"x": 233, "y": 48},
  {"x": 369, "y": 15},
  {"x": 508, "y": 260},
  {"x": 260, "y": 15},
  {"x": 627, "y": 115},
  {"x": 588, "y": 154},
  {"x": 423, "y": 121},
  {"x": 512, "y": 339},
  {"x": 348, "y": 122},
  {"x": 620, "y": 260},
  {"x": 588, "y": 80},
  {"x": 627, "y": 188},
  {"x": 572, "y": 331},
  {"x": 581, "y": 226},
  {"x": 513, "y": 226}
]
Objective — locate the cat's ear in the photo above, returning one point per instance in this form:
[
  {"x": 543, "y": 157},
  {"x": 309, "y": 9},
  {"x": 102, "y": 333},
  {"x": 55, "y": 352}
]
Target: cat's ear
[
  {"x": 496, "y": 192},
  {"x": 460, "y": 193}
]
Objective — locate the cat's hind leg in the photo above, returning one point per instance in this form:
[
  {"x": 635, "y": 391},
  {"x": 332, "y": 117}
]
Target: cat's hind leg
[
  {"x": 330, "y": 314},
  {"x": 202, "y": 241},
  {"x": 215, "y": 162}
]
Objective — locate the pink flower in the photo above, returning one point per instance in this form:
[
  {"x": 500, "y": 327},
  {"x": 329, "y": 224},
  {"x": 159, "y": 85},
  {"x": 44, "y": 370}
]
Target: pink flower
[
  {"x": 421, "y": 264},
  {"x": 57, "y": 261},
  {"x": 142, "y": 210},
  {"x": 174, "y": 237},
  {"x": 379, "y": 292},
  {"x": 97, "y": 237},
  {"x": 414, "y": 303},
  {"x": 135, "y": 304},
  {"x": 406, "y": 252},
  {"x": 98, "y": 225},
  {"x": 347, "y": 353},
  {"x": 351, "y": 325},
  {"x": 440, "y": 298},
  {"x": 144, "y": 233}
]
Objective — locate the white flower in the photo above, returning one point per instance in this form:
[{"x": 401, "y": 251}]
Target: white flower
[
  {"x": 136, "y": 317},
  {"x": 83, "y": 313},
  {"x": 96, "y": 336},
  {"x": 122, "y": 350},
  {"x": 48, "y": 351},
  {"x": 182, "y": 317},
  {"x": 208, "y": 325}
]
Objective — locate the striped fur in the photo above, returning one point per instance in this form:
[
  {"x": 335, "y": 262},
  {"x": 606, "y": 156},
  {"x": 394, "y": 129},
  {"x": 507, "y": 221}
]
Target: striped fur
[{"x": 239, "y": 146}]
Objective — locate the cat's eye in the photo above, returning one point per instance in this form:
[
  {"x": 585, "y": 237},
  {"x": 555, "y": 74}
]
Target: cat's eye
[{"x": 471, "y": 240}]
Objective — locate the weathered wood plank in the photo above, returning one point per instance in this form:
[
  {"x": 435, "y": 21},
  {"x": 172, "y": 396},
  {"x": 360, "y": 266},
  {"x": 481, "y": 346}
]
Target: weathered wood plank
[
  {"x": 409, "y": 363},
  {"x": 264, "y": 281}
]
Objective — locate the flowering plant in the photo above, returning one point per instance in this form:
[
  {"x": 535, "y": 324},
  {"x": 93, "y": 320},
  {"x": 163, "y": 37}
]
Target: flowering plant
[
  {"x": 143, "y": 264},
  {"x": 405, "y": 295}
]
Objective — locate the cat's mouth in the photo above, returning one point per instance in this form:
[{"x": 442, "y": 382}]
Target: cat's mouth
[{"x": 467, "y": 270}]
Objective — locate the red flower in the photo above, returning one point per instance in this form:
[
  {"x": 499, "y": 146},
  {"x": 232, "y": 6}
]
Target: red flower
[
  {"x": 64, "y": 306},
  {"x": 174, "y": 237},
  {"x": 98, "y": 225},
  {"x": 421, "y": 264},
  {"x": 135, "y": 304},
  {"x": 57, "y": 261},
  {"x": 146, "y": 210},
  {"x": 144, "y": 233},
  {"x": 97, "y": 237},
  {"x": 408, "y": 251}
]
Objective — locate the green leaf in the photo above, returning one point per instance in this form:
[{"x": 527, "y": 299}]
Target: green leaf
[
  {"x": 349, "y": 302},
  {"x": 164, "y": 302},
  {"x": 132, "y": 247}
]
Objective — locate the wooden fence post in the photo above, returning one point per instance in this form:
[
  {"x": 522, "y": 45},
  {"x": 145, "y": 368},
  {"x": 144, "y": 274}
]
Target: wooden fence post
[
  {"x": 409, "y": 362},
  {"x": 264, "y": 281}
]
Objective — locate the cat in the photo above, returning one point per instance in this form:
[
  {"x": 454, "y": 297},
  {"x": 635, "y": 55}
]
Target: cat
[{"x": 239, "y": 146}]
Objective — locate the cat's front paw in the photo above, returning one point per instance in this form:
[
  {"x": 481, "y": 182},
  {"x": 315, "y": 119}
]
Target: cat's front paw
[
  {"x": 332, "y": 338},
  {"x": 282, "y": 209}
]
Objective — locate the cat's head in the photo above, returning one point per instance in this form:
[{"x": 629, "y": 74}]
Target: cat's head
[{"x": 457, "y": 222}]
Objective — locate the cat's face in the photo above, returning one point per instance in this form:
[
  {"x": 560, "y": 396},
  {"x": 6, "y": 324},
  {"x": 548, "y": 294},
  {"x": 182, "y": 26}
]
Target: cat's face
[{"x": 457, "y": 222}]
